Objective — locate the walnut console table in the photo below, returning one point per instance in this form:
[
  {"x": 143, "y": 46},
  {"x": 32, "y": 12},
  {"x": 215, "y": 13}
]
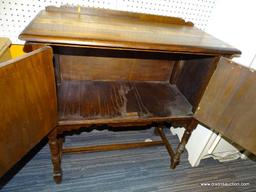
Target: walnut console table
[{"x": 120, "y": 69}]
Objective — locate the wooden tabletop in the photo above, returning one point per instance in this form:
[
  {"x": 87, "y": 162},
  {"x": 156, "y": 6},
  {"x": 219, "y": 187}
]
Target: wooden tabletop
[{"x": 117, "y": 29}]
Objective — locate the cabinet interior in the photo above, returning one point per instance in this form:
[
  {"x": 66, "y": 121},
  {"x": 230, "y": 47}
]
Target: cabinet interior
[{"x": 117, "y": 84}]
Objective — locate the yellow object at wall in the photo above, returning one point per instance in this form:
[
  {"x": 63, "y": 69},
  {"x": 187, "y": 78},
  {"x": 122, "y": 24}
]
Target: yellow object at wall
[{"x": 16, "y": 50}]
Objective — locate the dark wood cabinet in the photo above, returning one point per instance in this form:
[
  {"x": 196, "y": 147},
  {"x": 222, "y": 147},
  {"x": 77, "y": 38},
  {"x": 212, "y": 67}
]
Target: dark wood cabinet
[{"x": 120, "y": 69}]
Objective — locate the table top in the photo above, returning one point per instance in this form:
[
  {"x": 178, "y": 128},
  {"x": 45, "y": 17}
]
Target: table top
[{"x": 121, "y": 30}]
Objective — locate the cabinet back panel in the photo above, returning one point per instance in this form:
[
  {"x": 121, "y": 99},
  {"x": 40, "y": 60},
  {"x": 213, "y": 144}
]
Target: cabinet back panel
[{"x": 110, "y": 68}]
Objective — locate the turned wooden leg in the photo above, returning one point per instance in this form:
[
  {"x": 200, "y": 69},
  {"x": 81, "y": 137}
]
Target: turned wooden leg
[
  {"x": 183, "y": 142},
  {"x": 166, "y": 143},
  {"x": 55, "y": 145},
  {"x": 60, "y": 142}
]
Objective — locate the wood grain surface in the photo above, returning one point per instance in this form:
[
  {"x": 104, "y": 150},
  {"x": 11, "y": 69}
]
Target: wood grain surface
[
  {"x": 193, "y": 77},
  {"x": 91, "y": 29},
  {"x": 228, "y": 104},
  {"x": 120, "y": 14},
  {"x": 28, "y": 104},
  {"x": 4, "y": 49},
  {"x": 88, "y": 100},
  {"x": 110, "y": 68}
]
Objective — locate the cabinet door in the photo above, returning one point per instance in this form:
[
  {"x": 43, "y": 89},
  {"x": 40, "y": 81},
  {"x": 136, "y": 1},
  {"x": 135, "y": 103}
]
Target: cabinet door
[
  {"x": 27, "y": 104},
  {"x": 229, "y": 104}
]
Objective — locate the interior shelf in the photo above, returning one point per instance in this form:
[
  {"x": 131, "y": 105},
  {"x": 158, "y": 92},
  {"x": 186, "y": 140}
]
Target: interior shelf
[{"x": 92, "y": 100}]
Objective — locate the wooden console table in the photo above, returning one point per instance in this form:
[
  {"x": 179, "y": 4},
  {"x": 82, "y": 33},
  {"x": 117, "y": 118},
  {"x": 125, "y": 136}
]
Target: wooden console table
[{"x": 120, "y": 69}]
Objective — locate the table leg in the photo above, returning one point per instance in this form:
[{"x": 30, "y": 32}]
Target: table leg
[
  {"x": 186, "y": 135},
  {"x": 55, "y": 148},
  {"x": 166, "y": 143}
]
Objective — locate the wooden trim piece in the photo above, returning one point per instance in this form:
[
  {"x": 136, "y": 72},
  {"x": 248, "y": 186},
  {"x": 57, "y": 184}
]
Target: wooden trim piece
[
  {"x": 115, "y": 13},
  {"x": 120, "y": 122},
  {"x": 122, "y": 45},
  {"x": 110, "y": 147}
]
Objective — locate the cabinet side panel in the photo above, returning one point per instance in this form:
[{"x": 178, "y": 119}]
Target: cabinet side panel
[
  {"x": 192, "y": 77},
  {"x": 28, "y": 104},
  {"x": 228, "y": 105}
]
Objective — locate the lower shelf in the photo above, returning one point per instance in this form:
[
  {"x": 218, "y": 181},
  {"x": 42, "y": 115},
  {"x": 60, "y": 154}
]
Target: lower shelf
[{"x": 117, "y": 100}]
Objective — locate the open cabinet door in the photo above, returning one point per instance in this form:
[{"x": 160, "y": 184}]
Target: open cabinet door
[
  {"x": 27, "y": 104},
  {"x": 229, "y": 104}
]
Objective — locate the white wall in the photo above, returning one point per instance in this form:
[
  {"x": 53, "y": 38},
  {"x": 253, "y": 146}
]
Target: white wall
[{"x": 234, "y": 22}]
